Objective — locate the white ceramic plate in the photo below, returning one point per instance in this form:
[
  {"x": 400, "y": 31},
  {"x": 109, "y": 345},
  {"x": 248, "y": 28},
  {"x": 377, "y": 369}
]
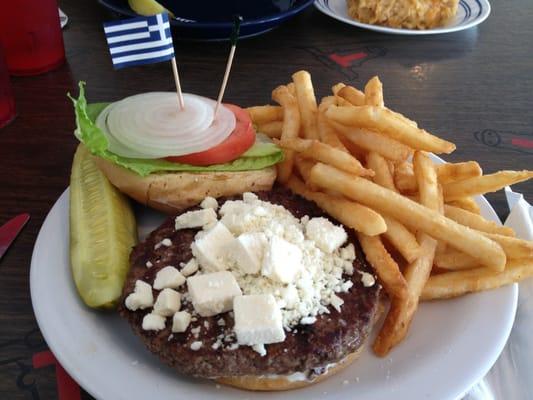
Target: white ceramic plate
[
  {"x": 451, "y": 345},
  {"x": 469, "y": 13}
]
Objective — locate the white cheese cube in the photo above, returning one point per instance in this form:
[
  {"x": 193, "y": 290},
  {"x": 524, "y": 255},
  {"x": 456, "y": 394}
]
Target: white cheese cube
[
  {"x": 290, "y": 296},
  {"x": 282, "y": 260},
  {"x": 249, "y": 250},
  {"x": 257, "y": 320},
  {"x": 348, "y": 252},
  {"x": 209, "y": 202},
  {"x": 141, "y": 297},
  {"x": 167, "y": 303},
  {"x": 153, "y": 322},
  {"x": 327, "y": 236},
  {"x": 168, "y": 277},
  {"x": 190, "y": 268},
  {"x": 181, "y": 321},
  {"x": 249, "y": 197},
  {"x": 213, "y": 293},
  {"x": 195, "y": 219},
  {"x": 212, "y": 248}
]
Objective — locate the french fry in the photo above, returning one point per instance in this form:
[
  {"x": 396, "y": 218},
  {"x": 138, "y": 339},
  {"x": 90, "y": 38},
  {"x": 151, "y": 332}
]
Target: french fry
[
  {"x": 411, "y": 214},
  {"x": 454, "y": 260},
  {"x": 304, "y": 166},
  {"x": 402, "y": 239},
  {"x": 417, "y": 272},
  {"x": 290, "y": 128},
  {"x": 324, "y": 153},
  {"x": 451, "y": 172},
  {"x": 305, "y": 95},
  {"x": 351, "y": 214},
  {"x": 372, "y": 141},
  {"x": 291, "y": 88},
  {"x": 404, "y": 177},
  {"x": 458, "y": 283},
  {"x": 382, "y": 174},
  {"x": 264, "y": 114},
  {"x": 386, "y": 122},
  {"x": 475, "y": 221},
  {"x": 466, "y": 203},
  {"x": 326, "y": 132},
  {"x": 484, "y": 184},
  {"x": 374, "y": 93},
  {"x": 271, "y": 129},
  {"x": 514, "y": 248},
  {"x": 386, "y": 268},
  {"x": 352, "y": 95},
  {"x": 337, "y": 87}
]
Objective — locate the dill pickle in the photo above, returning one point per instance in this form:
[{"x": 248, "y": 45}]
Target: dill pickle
[{"x": 102, "y": 233}]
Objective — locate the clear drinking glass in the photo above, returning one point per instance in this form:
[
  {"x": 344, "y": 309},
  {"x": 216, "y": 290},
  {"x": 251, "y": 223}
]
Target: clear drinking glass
[
  {"x": 30, "y": 32},
  {"x": 7, "y": 101}
]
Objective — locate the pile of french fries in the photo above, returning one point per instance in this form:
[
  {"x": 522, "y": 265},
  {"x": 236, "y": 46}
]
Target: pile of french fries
[{"x": 417, "y": 221}]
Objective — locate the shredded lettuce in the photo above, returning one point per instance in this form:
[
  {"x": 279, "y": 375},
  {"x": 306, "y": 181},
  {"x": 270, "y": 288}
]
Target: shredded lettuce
[{"x": 262, "y": 154}]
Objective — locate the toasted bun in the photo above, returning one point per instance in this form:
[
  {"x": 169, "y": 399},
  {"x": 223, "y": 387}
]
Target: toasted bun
[
  {"x": 174, "y": 192},
  {"x": 278, "y": 383}
]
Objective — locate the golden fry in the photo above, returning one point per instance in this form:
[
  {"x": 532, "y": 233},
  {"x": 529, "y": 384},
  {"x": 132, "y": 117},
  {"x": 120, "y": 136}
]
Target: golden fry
[
  {"x": 305, "y": 95},
  {"x": 382, "y": 174},
  {"x": 304, "y": 166},
  {"x": 466, "y": 203},
  {"x": 372, "y": 141},
  {"x": 290, "y": 128},
  {"x": 404, "y": 177},
  {"x": 271, "y": 129},
  {"x": 336, "y": 88},
  {"x": 264, "y": 114},
  {"x": 514, "y": 248},
  {"x": 386, "y": 122},
  {"x": 386, "y": 268},
  {"x": 454, "y": 260},
  {"x": 458, "y": 283},
  {"x": 322, "y": 152},
  {"x": 484, "y": 184},
  {"x": 326, "y": 132},
  {"x": 411, "y": 214},
  {"x": 402, "y": 239},
  {"x": 351, "y": 214},
  {"x": 374, "y": 93},
  {"x": 476, "y": 221},
  {"x": 352, "y": 95},
  {"x": 451, "y": 172}
]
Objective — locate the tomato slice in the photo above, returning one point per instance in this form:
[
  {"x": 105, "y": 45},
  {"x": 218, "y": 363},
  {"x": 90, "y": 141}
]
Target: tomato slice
[{"x": 240, "y": 140}]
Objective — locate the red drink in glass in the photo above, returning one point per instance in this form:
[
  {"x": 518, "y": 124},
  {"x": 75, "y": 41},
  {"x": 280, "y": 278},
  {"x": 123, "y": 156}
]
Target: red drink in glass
[
  {"x": 30, "y": 33},
  {"x": 7, "y": 101}
]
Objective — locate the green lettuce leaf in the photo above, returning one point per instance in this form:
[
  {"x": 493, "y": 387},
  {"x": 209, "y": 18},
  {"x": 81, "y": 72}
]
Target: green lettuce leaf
[{"x": 262, "y": 154}]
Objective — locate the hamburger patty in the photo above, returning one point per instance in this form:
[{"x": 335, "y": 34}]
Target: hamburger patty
[{"x": 307, "y": 348}]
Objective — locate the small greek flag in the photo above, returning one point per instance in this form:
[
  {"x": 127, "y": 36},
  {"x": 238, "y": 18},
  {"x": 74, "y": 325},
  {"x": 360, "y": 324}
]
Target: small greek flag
[{"x": 138, "y": 41}]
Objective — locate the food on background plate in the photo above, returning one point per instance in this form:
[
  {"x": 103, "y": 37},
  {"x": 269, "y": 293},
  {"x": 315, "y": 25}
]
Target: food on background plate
[
  {"x": 418, "y": 14},
  {"x": 170, "y": 159},
  {"x": 261, "y": 291},
  {"x": 102, "y": 233}
]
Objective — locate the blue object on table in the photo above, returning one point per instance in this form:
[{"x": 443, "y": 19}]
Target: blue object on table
[{"x": 208, "y": 25}]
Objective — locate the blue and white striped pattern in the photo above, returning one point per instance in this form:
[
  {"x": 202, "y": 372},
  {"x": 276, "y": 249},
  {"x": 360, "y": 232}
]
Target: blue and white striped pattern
[{"x": 138, "y": 41}]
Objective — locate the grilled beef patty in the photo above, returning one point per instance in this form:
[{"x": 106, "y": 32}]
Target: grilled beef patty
[{"x": 308, "y": 348}]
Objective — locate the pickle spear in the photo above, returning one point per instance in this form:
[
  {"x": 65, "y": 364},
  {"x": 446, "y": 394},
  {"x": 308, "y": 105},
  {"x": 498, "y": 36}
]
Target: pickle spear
[{"x": 102, "y": 233}]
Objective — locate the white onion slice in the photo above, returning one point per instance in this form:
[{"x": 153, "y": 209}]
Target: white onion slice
[{"x": 150, "y": 125}]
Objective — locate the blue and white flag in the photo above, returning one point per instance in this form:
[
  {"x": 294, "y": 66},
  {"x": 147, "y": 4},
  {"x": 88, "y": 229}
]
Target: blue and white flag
[{"x": 138, "y": 41}]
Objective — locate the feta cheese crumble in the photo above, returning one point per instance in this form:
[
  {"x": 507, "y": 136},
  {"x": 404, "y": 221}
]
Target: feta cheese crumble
[
  {"x": 141, "y": 297},
  {"x": 195, "y": 219}
]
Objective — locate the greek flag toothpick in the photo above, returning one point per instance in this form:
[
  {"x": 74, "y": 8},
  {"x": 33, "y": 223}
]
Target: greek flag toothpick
[{"x": 142, "y": 40}]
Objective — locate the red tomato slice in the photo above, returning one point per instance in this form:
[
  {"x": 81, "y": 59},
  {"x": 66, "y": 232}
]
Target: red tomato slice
[{"x": 240, "y": 140}]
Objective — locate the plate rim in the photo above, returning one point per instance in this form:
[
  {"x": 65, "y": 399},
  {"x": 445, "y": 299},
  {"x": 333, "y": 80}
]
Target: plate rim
[
  {"x": 486, "y": 10},
  {"x": 96, "y": 392}
]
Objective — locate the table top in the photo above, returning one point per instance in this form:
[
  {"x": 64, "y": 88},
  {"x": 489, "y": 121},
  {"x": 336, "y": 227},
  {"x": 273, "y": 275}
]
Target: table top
[{"x": 473, "y": 87}]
